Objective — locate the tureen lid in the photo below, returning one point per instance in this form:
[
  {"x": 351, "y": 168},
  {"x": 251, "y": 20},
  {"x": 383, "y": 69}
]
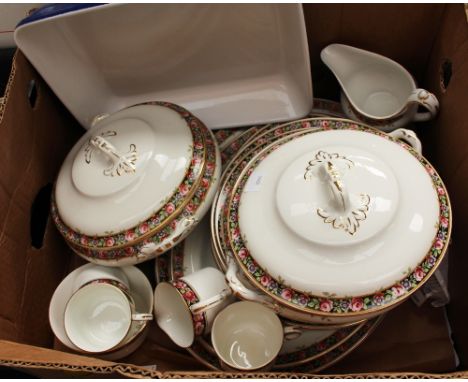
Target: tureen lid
[
  {"x": 338, "y": 214},
  {"x": 125, "y": 168}
]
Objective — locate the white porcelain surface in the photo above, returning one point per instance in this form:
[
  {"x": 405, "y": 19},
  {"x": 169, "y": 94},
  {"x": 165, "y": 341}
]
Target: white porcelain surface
[
  {"x": 374, "y": 257},
  {"x": 184, "y": 228},
  {"x": 99, "y": 272},
  {"x": 97, "y": 317},
  {"x": 298, "y": 199},
  {"x": 321, "y": 107},
  {"x": 377, "y": 86},
  {"x": 172, "y": 313},
  {"x": 197, "y": 249},
  {"x": 140, "y": 290},
  {"x": 244, "y": 290},
  {"x": 229, "y": 64},
  {"x": 386, "y": 125},
  {"x": 247, "y": 335},
  {"x": 96, "y": 204}
]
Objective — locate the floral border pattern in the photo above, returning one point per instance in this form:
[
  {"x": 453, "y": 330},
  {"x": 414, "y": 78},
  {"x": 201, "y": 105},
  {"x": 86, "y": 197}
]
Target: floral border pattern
[
  {"x": 177, "y": 258},
  {"x": 162, "y": 234},
  {"x": 112, "y": 282},
  {"x": 321, "y": 107},
  {"x": 233, "y": 148},
  {"x": 262, "y": 141},
  {"x": 190, "y": 297},
  {"x": 177, "y": 253},
  {"x": 223, "y": 134},
  {"x": 178, "y": 197},
  {"x": 162, "y": 268},
  {"x": 331, "y": 305}
]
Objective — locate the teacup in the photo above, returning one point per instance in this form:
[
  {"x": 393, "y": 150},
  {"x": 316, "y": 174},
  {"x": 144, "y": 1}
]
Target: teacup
[
  {"x": 377, "y": 90},
  {"x": 186, "y": 307},
  {"x": 101, "y": 316},
  {"x": 247, "y": 336}
]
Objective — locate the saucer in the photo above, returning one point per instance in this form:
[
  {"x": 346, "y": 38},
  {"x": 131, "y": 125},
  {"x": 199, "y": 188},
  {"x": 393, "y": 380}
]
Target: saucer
[{"x": 140, "y": 290}]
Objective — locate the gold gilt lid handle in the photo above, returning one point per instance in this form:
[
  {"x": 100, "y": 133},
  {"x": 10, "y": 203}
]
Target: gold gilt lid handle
[
  {"x": 337, "y": 186},
  {"x": 121, "y": 163}
]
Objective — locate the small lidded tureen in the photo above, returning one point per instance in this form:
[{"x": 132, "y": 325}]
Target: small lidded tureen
[{"x": 136, "y": 184}]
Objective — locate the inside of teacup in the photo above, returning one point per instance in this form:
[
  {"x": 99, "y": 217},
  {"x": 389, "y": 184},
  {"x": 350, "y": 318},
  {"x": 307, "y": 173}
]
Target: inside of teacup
[
  {"x": 97, "y": 317},
  {"x": 173, "y": 315},
  {"x": 247, "y": 335}
]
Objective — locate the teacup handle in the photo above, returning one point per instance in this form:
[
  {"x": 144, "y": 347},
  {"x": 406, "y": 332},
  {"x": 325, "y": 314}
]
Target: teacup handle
[
  {"x": 243, "y": 292},
  {"x": 209, "y": 303},
  {"x": 149, "y": 249},
  {"x": 142, "y": 317},
  {"x": 409, "y": 137},
  {"x": 428, "y": 100}
]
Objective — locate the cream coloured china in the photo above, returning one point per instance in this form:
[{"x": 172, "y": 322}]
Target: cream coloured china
[
  {"x": 396, "y": 211},
  {"x": 187, "y": 257},
  {"x": 244, "y": 148},
  {"x": 361, "y": 305},
  {"x": 139, "y": 288},
  {"x": 194, "y": 253},
  {"x": 377, "y": 90},
  {"x": 311, "y": 345},
  {"x": 247, "y": 335},
  {"x": 100, "y": 315},
  {"x": 186, "y": 307},
  {"x": 315, "y": 357},
  {"x": 127, "y": 192}
]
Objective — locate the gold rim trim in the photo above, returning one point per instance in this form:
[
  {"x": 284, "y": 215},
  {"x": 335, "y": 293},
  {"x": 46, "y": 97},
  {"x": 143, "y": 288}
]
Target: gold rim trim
[
  {"x": 166, "y": 221},
  {"x": 283, "y": 302},
  {"x": 318, "y": 355}
]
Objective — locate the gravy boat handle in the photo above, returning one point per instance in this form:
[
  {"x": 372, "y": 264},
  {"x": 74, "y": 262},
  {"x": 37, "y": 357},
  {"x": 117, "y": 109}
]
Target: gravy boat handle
[{"x": 427, "y": 100}]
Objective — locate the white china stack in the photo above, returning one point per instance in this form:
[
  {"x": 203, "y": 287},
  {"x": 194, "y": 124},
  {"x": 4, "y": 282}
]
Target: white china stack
[
  {"x": 328, "y": 206},
  {"x": 322, "y": 225}
]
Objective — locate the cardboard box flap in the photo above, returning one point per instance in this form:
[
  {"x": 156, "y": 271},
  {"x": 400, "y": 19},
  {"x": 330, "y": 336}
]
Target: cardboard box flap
[{"x": 34, "y": 141}]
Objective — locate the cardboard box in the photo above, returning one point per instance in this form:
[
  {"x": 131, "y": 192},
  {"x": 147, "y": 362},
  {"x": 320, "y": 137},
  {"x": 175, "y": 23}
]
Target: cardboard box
[{"x": 36, "y": 132}]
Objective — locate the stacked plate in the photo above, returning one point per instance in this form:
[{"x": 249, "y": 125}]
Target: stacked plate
[{"x": 320, "y": 219}]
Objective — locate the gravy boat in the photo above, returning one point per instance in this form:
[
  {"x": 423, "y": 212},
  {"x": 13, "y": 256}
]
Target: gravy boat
[{"x": 376, "y": 89}]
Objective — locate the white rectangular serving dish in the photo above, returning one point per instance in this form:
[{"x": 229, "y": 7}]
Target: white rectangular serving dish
[{"x": 229, "y": 64}]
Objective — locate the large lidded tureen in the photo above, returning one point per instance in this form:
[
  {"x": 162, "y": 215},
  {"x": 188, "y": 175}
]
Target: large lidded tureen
[
  {"x": 330, "y": 220},
  {"x": 136, "y": 184}
]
